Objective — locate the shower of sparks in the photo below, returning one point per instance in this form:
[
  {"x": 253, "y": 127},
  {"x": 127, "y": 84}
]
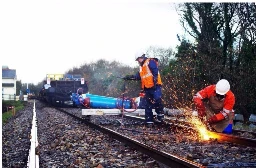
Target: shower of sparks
[
  {"x": 203, "y": 133},
  {"x": 202, "y": 129},
  {"x": 178, "y": 90}
]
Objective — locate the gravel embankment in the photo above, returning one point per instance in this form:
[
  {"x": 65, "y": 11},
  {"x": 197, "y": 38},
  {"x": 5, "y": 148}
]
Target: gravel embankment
[
  {"x": 64, "y": 142},
  {"x": 16, "y": 138}
]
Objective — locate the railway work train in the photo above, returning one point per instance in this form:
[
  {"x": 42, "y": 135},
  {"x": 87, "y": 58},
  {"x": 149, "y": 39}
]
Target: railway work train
[
  {"x": 57, "y": 88},
  {"x": 72, "y": 90}
]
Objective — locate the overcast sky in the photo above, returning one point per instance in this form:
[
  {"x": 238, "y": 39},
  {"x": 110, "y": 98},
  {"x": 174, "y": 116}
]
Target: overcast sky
[{"x": 52, "y": 36}]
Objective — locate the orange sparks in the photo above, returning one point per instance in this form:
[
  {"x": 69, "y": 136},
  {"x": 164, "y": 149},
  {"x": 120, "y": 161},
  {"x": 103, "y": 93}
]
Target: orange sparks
[{"x": 202, "y": 129}]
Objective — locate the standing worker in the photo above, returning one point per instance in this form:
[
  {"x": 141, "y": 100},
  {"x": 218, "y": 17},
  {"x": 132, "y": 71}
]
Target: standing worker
[
  {"x": 217, "y": 107},
  {"x": 151, "y": 84}
]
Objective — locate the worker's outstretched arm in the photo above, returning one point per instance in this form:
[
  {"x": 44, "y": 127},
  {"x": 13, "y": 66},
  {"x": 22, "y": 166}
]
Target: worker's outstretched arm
[
  {"x": 132, "y": 77},
  {"x": 202, "y": 94}
]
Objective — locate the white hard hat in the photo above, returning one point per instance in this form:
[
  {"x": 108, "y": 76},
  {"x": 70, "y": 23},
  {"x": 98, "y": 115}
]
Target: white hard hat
[
  {"x": 222, "y": 87},
  {"x": 139, "y": 54}
]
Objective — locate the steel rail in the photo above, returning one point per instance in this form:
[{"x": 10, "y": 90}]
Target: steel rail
[
  {"x": 163, "y": 157},
  {"x": 233, "y": 139},
  {"x": 218, "y": 136},
  {"x": 234, "y": 130}
]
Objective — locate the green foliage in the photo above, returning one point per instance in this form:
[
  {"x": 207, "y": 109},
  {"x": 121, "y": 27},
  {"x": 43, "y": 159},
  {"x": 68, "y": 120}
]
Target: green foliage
[
  {"x": 165, "y": 57},
  {"x": 18, "y": 87},
  {"x": 103, "y": 77},
  {"x": 6, "y": 116},
  {"x": 12, "y": 103},
  {"x": 244, "y": 79},
  {"x": 18, "y": 106},
  {"x": 32, "y": 87}
]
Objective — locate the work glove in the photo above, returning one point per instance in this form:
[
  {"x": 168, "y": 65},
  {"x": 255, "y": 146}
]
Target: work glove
[
  {"x": 208, "y": 126},
  {"x": 129, "y": 77},
  {"x": 216, "y": 118},
  {"x": 142, "y": 93},
  {"x": 199, "y": 106},
  {"x": 201, "y": 111},
  {"x": 212, "y": 120}
]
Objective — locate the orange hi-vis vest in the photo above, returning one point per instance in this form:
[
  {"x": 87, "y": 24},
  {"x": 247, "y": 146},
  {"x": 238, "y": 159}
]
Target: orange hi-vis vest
[{"x": 147, "y": 76}]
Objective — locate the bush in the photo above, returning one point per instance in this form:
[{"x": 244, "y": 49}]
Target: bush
[
  {"x": 252, "y": 107},
  {"x": 7, "y": 113}
]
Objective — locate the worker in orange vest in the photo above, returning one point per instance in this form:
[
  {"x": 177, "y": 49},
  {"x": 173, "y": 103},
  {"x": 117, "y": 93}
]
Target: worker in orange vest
[
  {"x": 151, "y": 84},
  {"x": 216, "y": 102}
]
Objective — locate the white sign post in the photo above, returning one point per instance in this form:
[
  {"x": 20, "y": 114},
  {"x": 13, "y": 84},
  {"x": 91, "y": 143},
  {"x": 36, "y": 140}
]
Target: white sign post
[
  {"x": 48, "y": 81},
  {"x": 82, "y": 81}
]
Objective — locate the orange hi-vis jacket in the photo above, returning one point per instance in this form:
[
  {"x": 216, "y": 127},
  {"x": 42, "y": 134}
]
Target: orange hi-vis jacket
[
  {"x": 221, "y": 108},
  {"x": 219, "y": 111},
  {"x": 147, "y": 79}
]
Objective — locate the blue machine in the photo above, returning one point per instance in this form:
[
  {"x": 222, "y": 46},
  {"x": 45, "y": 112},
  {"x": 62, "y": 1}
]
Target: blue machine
[{"x": 102, "y": 102}]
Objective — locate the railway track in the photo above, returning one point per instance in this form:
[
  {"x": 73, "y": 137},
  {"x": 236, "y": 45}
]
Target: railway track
[{"x": 167, "y": 158}]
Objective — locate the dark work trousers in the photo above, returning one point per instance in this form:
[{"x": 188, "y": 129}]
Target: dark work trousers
[{"x": 153, "y": 100}]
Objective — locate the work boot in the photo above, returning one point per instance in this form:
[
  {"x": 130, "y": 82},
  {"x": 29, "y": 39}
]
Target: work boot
[
  {"x": 149, "y": 124},
  {"x": 159, "y": 117},
  {"x": 157, "y": 121}
]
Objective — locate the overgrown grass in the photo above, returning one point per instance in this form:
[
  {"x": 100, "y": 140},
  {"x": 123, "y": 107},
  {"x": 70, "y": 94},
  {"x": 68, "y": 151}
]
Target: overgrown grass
[
  {"x": 6, "y": 116},
  {"x": 19, "y": 105}
]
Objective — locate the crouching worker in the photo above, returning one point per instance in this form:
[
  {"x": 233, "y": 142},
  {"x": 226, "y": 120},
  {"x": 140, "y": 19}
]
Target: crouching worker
[
  {"x": 151, "y": 84},
  {"x": 216, "y": 102}
]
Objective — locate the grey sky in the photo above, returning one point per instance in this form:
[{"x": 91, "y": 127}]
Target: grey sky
[{"x": 52, "y": 36}]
